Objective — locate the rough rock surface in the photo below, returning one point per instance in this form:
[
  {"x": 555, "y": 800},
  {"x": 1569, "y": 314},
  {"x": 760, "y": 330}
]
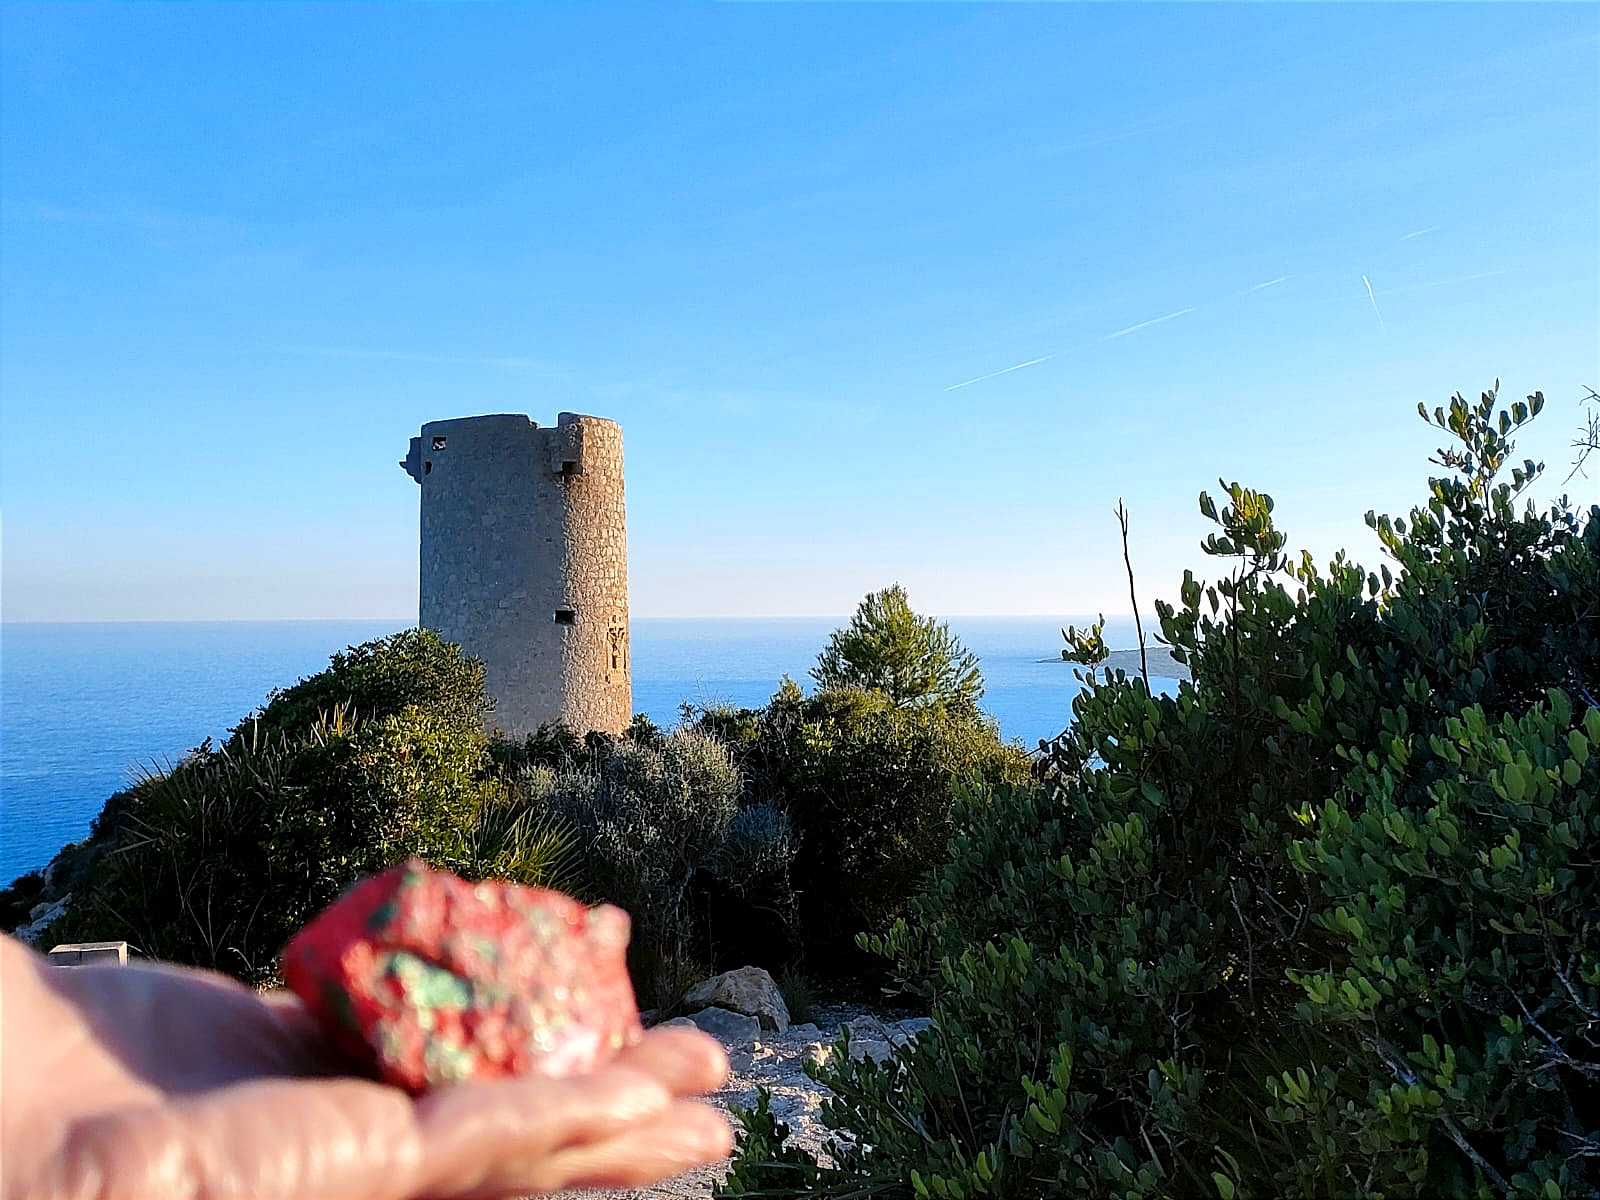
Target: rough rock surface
[
  {"x": 431, "y": 979},
  {"x": 776, "y": 1062},
  {"x": 734, "y": 1030},
  {"x": 40, "y": 918},
  {"x": 749, "y": 990}
]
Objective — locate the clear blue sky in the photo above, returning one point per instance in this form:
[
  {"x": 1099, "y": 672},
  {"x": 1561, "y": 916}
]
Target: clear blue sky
[{"x": 247, "y": 251}]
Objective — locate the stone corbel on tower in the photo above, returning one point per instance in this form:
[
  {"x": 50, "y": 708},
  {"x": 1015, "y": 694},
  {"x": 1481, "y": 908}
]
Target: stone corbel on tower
[
  {"x": 412, "y": 462},
  {"x": 565, "y": 446}
]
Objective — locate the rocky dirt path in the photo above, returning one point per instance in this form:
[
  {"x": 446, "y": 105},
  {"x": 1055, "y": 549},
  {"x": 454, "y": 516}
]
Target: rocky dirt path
[{"x": 777, "y": 1063}]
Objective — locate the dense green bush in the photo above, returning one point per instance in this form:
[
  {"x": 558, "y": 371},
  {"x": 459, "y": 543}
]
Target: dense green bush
[
  {"x": 871, "y": 787},
  {"x": 868, "y": 787},
  {"x": 217, "y": 861},
  {"x": 382, "y": 678},
  {"x": 1325, "y": 923}
]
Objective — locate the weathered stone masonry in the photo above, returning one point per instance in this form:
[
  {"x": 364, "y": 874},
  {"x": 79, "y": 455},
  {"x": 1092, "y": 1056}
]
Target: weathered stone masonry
[{"x": 524, "y": 562}]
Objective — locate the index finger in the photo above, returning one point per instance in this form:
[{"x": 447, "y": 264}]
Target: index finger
[{"x": 686, "y": 1061}]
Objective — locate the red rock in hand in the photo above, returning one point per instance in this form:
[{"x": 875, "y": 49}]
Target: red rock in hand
[{"x": 430, "y": 979}]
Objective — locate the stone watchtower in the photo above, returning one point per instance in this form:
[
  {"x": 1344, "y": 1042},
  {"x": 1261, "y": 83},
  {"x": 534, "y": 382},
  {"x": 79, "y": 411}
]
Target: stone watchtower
[{"x": 525, "y": 563}]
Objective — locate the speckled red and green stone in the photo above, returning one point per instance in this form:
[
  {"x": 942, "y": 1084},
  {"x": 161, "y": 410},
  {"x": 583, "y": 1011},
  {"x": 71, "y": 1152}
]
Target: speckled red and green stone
[{"x": 430, "y": 979}]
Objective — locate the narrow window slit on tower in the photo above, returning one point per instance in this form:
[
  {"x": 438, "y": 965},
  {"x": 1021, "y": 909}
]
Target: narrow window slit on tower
[
  {"x": 438, "y": 444},
  {"x": 566, "y": 616},
  {"x": 569, "y": 467},
  {"x": 427, "y": 467}
]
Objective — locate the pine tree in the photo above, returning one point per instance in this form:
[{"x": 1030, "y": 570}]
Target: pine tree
[{"x": 911, "y": 659}]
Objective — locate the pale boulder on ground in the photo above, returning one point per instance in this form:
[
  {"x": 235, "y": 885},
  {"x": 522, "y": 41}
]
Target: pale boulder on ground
[
  {"x": 777, "y": 1062},
  {"x": 749, "y": 990},
  {"x": 40, "y": 918},
  {"x": 869, "y": 1038}
]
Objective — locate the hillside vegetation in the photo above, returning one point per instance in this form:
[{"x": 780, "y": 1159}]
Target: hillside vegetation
[
  {"x": 1324, "y": 923},
  {"x": 765, "y": 836}
]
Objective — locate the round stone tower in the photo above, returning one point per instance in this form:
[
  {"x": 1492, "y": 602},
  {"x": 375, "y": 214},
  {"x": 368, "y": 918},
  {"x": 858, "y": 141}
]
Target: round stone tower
[{"x": 525, "y": 563}]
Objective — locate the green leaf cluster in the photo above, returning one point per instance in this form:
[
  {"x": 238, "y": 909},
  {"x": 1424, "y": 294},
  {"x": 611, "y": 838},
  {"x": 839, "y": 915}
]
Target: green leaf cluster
[{"x": 1324, "y": 923}]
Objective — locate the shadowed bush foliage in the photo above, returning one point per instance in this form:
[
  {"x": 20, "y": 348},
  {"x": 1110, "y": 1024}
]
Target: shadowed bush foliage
[
  {"x": 868, "y": 787},
  {"x": 1324, "y": 923},
  {"x": 871, "y": 788},
  {"x": 18, "y": 897}
]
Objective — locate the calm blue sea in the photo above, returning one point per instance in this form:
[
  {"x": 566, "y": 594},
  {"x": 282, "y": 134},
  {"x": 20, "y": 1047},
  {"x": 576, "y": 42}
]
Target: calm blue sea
[{"x": 84, "y": 707}]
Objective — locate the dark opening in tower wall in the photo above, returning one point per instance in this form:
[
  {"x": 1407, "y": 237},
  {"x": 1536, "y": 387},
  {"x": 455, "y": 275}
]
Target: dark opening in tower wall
[
  {"x": 438, "y": 444},
  {"x": 566, "y": 616}
]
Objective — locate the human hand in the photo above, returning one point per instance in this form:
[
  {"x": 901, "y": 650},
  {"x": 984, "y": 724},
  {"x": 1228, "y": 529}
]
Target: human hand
[{"x": 161, "y": 1081}]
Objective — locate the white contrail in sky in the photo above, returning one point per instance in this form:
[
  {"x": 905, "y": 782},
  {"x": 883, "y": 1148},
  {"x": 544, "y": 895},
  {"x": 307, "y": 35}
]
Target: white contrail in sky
[
  {"x": 1144, "y": 325},
  {"x": 1046, "y": 358},
  {"x": 1374, "y": 300},
  {"x": 1420, "y": 232},
  {"x": 1267, "y": 284},
  {"x": 1030, "y": 363},
  {"x": 1433, "y": 283}
]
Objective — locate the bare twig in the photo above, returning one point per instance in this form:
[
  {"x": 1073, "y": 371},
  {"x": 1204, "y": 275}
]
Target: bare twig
[
  {"x": 1563, "y": 974},
  {"x": 1127, "y": 559},
  {"x": 1405, "y": 1075},
  {"x": 1250, "y": 951},
  {"x": 1587, "y": 442}
]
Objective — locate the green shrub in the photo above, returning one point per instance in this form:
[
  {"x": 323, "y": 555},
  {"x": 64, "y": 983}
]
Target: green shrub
[
  {"x": 17, "y": 899},
  {"x": 870, "y": 788},
  {"x": 552, "y": 746},
  {"x": 377, "y": 679},
  {"x": 867, "y": 787},
  {"x": 799, "y": 996},
  {"x": 217, "y": 861},
  {"x": 1326, "y": 922},
  {"x": 911, "y": 659}
]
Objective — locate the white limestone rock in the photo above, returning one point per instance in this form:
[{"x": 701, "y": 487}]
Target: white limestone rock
[
  {"x": 908, "y": 1030},
  {"x": 877, "y": 1051},
  {"x": 868, "y": 1029},
  {"x": 40, "y": 918},
  {"x": 749, "y": 990}
]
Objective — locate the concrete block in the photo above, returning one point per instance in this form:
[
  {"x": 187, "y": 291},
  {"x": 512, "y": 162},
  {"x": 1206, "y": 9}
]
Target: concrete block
[{"x": 87, "y": 954}]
